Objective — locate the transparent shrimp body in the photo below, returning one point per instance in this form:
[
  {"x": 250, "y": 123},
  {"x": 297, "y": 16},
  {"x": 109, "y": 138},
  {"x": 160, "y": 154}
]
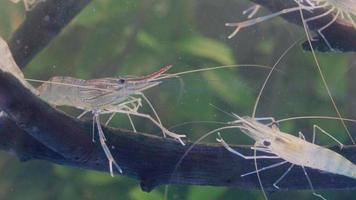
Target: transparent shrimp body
[
  {"x": 297, "y": 150},
  {"x": 292, "y": 149},
  {"x": 105, "y": 96}
]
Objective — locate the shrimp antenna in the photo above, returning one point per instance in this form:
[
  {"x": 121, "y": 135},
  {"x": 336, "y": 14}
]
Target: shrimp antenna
[
  {"x": 256, "y": 104},
  {"x": 270, "y": 74},
  {"x": 211, "y": 68},
  {"x": 222, "y": 110},
  {"x": 197, "y": 122},
  {"x": 305, "y": 26}
]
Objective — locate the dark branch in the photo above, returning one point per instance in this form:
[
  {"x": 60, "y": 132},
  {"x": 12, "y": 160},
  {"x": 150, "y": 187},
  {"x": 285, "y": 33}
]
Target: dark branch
[
  {"x": 64, "y": 140},
  {"x": 41, "y": 25},
  {"x": 341, "y": 34}
]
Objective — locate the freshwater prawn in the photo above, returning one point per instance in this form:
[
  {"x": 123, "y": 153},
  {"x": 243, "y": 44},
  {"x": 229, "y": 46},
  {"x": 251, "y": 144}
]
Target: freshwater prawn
[
  {"x": 276, "y": 144},
  {"x": 105, "y": 96},
  {"x": 294, "y": 150},
  {"x": 344, "y": 9}
]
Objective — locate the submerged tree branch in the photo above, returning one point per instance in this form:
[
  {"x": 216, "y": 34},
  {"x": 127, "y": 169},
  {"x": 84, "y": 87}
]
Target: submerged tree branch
[
  {"x": 150, "y": 159},
  {"x": 341, "y": 34},
  {"x": 41, "y": 25}
]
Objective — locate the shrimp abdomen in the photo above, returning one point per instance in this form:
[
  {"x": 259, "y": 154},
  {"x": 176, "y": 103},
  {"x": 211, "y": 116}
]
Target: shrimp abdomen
[{"x": 60, "y": 91}]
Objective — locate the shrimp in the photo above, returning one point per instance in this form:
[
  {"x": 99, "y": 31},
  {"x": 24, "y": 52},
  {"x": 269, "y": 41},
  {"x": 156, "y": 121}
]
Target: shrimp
[
  {"x": 234, "y": 126},
  {"x": 292, "y": 149},
  {"x": 279, "y": 145},
  {"x": 111, "y": 96},
  {"x": 345, "y": 9},
  {"x": 8, "y": 64},
  {"x": 29, "y": 4},
  {"x": 104, "y": 96}
]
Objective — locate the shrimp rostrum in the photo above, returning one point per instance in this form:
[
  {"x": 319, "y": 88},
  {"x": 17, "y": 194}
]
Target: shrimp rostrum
[
  {"x": 105, "y": 96},
  {"x": 292, "y": 149}
]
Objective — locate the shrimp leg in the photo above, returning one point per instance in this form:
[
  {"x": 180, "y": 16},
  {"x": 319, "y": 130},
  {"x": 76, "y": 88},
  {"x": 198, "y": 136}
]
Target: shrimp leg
[
  {"x": 128, "y": 116},
  {"x": 283, "y": 175},
  {"x": 311, "y": 185},
  {"x": 110, "y": 118},
  {"x": 153, "y": 110},
  {"x": 286, "y": 172},
  {"x": 227, "y": 147},
  {"x": 326, "y": 133},
  {"x": 251, "y": 11},
  {"x": 82, "y": 114},
  {"x": 104, "y": 146},
  {"x": 166, "y": 131},
  {"x": 307, "y": 176},
  {"x": 326, "y": 26},
  {"x": 265, "y": 168},
  {"x": 251, "y": 22}
]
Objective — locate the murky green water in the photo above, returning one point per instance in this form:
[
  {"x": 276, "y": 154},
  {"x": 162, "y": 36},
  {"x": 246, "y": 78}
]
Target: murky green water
[{"x": 114, "y": 37}]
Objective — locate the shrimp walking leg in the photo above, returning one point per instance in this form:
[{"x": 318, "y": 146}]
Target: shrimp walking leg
[
  {"x": 326, "y": 26},
  {"x": 153, "y": 110},
  {"x": 307, "y": 176},
  {"x": 265, "y": 168},
  {"x": 104, "y": 146},
  {"x": 251, "y": 11},
  {"x": 82, "y": 114},
  {"x": 93, "y": 131},
  {"x": 320, "y": 16},
  {"x": 166, "y": 131},
  {"x": 227, "y": 147},
  {"x": 131, "y": 122},
  {"x": 311, "y": 184},
  {"x": 128, "y": 116},
  {"x": 283, "y": 175},
  {"x": 251, "y": 22},
  {"x": 315, "y": 127},
  {"x": 110, "y": 118}
]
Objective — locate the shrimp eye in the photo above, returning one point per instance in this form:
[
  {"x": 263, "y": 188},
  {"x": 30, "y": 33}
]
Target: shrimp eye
[
  {"x": 121, "y": 81},
  {"x": 266, "y": 143}
]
